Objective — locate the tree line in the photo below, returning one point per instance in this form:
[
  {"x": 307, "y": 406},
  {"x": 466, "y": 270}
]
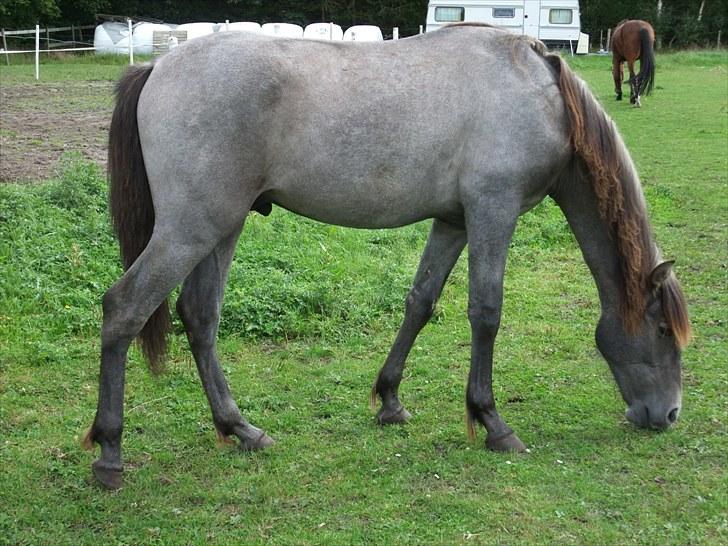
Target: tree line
[{"x": 678, "y": 23}]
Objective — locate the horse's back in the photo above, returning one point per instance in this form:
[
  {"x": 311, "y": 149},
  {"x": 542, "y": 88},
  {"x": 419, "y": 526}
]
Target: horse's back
[{"x": 351, "y": 133}]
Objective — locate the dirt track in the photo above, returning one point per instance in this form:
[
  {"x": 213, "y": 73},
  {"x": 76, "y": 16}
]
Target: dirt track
[{"x": 40, "y": 122}]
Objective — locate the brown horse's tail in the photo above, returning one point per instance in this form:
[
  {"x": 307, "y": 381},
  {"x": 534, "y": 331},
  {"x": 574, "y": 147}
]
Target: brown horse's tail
[
  {"x": 646, "y": 76},
  {"x": 130, "y": 201}
]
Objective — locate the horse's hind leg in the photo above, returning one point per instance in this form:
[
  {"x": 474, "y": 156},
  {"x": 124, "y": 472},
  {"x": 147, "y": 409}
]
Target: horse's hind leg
[
  {"x": 443, "y": 248},
  {"x": 634, "y": 97},
  {"x": 127, "y": 306},
  {"x": 618, "y": 74},
  {"x": 199, "y": 308}
]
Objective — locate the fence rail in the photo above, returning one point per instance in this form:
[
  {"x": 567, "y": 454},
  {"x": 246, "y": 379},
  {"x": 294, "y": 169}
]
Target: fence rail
[
  {"x": 37, "y": 51},
  {"x": 46, "y": 29}
]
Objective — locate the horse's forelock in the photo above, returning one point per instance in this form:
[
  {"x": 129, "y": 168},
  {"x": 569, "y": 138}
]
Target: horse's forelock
[{"x": 676, "y": 311}]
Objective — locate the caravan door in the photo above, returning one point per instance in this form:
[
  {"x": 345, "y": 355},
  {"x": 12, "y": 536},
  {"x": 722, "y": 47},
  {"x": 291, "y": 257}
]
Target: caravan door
[{"x": 531, "y": 16}]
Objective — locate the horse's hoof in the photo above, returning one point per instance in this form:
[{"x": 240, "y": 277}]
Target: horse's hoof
[
  {"x": 396, "y": 417},
  {"x": 261, "y": 442},
  {"x": 108, "y": 477},
  {"x": 509, "y": 442},
  {"x": 619, "y": 97}
]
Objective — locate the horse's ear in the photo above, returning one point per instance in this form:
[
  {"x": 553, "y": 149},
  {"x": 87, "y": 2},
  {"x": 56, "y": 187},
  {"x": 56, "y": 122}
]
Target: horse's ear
[{"x": 660, "y": 273}]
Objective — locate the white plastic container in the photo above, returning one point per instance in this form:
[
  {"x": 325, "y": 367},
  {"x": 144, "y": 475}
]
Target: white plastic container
[
  {"x": 244, "y": 26},
  {"x": 323, "y": 31},
  {"x": 363, "y": 33},
  {"x": 143, "y": 37},
  {"x": 196, "y": 30},
  {"x": 283, "y": 30},
  {"x": 111, "y": 38}
]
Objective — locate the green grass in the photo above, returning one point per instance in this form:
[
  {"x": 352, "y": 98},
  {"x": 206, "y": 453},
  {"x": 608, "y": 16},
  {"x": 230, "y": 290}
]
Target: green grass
[
  {"x": 310, "y": 313},
  {"x": 77, "y": 67}
]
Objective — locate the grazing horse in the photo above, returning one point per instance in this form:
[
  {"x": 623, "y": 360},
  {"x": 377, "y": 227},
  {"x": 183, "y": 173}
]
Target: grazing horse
[
  {"x": 634, "y": 40},
  {"x": 469, "y": 126}
]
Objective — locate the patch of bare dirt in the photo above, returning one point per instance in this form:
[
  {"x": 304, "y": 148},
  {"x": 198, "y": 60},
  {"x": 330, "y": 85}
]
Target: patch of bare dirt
[{"x": 40, "y": 122}]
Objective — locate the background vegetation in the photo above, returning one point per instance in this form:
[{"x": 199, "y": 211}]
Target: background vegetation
[
  {"x": 681, "y": 22},
  {"x": 310, "y": 313}
]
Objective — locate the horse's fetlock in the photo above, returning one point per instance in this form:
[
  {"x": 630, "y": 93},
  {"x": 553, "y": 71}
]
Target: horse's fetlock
[{"x": 479, "y": 401}]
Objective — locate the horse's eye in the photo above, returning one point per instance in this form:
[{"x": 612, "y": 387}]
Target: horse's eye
[{"x": 663, "y": 330}]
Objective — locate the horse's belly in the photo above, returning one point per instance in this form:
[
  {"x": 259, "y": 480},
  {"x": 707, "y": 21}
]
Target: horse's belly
[{"x": 370, "y": 204}]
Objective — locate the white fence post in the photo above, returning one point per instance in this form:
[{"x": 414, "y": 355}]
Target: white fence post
[
  {"x": 37, "y": 52},
  {"x": 227, "y": 24},
  {"x": 420, "y": 29},
  {"x": 131, "y": 44},
  {"x": 395, "y": 33}
]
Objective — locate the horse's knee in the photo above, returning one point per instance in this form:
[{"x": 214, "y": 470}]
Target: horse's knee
[{"x": 484, "y": 319}]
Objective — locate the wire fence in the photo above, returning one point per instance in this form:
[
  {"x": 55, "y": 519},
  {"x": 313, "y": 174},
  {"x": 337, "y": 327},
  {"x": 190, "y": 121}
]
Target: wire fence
[{"x": 23, "y": 35}]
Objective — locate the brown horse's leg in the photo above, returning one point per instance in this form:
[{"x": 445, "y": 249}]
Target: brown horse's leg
[
  {"x": 443, "y": 248},
  {"x": 489, "y": 233},
  {"x": 199, "y": 307},
  {"x": 633, "y": 83},
  {"x": 618, "y": 74}
]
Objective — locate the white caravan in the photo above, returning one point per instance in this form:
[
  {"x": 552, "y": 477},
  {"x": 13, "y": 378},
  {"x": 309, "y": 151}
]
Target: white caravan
[{"x": 554, "y": 22}]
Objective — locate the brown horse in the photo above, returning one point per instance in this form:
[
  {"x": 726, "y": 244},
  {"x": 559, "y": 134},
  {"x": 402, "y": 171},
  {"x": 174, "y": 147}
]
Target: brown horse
[{"x": 634, "y": 40}]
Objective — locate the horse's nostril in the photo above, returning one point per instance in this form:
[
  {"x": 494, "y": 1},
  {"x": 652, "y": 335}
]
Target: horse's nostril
[{"x": 672, "y": 416}]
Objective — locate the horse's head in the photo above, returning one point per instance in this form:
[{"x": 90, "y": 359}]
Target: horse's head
[{"x": 646, "y": 364}]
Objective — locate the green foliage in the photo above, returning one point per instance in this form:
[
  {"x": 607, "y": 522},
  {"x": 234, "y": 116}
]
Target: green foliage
[
  {"x": 292, "y": 277},
  {"x": 26, "y": 13},
  {"x": 676, "y": 26},
  {"x": 56, "y": 255}
]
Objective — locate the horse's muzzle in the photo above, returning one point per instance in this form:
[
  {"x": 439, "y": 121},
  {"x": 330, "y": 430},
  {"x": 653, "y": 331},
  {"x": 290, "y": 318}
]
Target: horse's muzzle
[{"x": 642, "y": 416}]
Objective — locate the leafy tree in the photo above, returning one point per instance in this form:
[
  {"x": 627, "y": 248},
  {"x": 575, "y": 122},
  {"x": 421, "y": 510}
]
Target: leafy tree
[{"x": 27, "y": 13}]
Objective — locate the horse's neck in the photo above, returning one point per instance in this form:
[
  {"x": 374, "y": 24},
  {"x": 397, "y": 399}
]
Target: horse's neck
[{"x": 579, "y": 204}]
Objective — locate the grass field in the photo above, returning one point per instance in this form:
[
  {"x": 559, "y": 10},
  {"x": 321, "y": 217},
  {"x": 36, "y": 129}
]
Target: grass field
[{"x": 310, "y": 313}]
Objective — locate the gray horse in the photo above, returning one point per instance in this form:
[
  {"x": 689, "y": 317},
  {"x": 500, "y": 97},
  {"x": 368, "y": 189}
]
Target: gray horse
[{"x": 469, "y": 125}]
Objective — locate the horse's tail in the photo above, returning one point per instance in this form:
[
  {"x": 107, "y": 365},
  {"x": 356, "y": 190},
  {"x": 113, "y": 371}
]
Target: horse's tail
[
  {"x": 646, "y": 77},
  {"x": 130, "y": 201}
]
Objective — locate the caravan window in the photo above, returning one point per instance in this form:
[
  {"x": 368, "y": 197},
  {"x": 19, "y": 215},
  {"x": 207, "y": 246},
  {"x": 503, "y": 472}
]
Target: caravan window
[
  {"x": 560, "y": 16},
  {"x": 449, "y": 15},
  {"x": 504, "y": 12}
]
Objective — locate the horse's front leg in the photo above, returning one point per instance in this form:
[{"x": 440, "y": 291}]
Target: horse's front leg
[
  {"x": 443, "y": 248},
  {"x": 489, "y": 235},
  {"x": 199, "y": 306}
]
